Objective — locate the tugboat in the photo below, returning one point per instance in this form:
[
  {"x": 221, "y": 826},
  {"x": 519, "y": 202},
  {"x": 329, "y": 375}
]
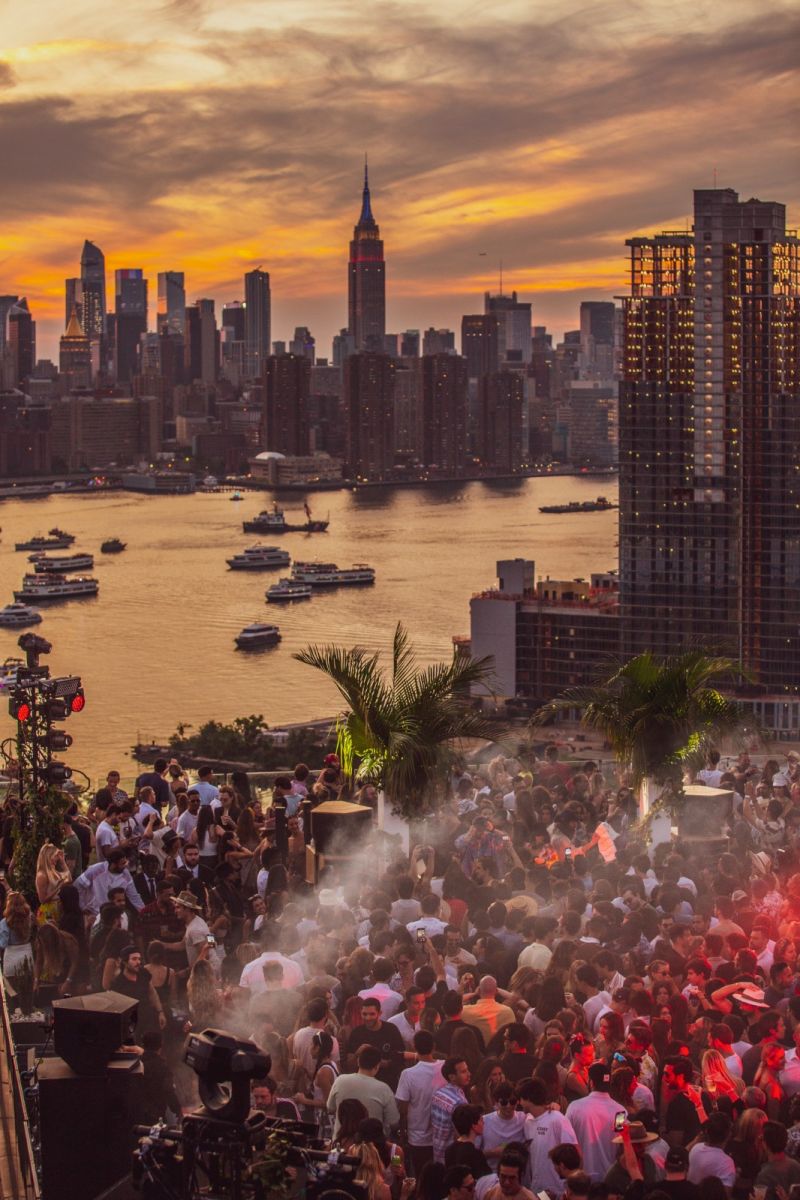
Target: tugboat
[
  {"x": 61, "y": 565},
  {"x": 274, "y": 521},
  {"x": 287, "y": 589},
  {"x": 318, "y": 574},
  {"x": 15, "y": 616},
  {"x": 259, "y": 558},
  {"x": 112, "y": 546},
  {"x": 601, "y": 504},
  {"x": 56, "y": 587},
  {"x": 254, "y": 636}
]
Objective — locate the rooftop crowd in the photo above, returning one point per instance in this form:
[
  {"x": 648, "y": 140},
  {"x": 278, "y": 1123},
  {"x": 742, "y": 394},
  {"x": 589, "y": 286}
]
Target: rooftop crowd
[{"x": 533, "y": 1001}]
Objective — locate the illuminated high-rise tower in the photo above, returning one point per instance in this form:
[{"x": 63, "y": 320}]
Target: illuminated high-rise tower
[
  {"x": 366, "y": 280},
  {"x": 93, "y": 287}
]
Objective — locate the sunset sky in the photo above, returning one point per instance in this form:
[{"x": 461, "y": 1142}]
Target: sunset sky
[{"x": 211, "y": 137}]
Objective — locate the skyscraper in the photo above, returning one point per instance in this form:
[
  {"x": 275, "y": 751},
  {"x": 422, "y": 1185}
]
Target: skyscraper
[
  {"x": 366, "y": 280},
  {"x": 514, "y": 328},
  {"x": 443, "y": 412},
  {"x": 21, "y": 341},
  {"x": 710, "y": 440},
  {"x": 93, "y": 288},
  {"x": 480, "y": 344},
  {"x": 74, "y": 358},
  {"x": 257, "y": 321},
  {"x": 287, "y": 380},
  {"x": 501, "y": 440},
  {"x": 73, "y": 300},
  {"x": 369, "y": 415},
  {"x": 130, "y": 320},
  {"x": 171, "y": 302}
]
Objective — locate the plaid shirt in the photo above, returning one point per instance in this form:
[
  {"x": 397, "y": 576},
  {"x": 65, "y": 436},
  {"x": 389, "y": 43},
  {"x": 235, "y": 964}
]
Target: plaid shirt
[{"x": 442, "y": 1104}]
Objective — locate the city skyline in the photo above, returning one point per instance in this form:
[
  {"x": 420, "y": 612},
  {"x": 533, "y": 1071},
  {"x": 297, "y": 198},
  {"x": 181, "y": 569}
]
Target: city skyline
[{"x": 242, "y": 146}]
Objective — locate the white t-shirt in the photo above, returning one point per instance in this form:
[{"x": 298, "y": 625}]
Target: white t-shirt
[
  {"x": 187, "y": 823},
  {"x": 253, "y": 973},
  {"x": 706, "y": 1161},
  {"x": 431, "y": 925},
  {"x": 542, "y": 1134},
  {"x": 709, "y": 776},
  {"x": 104, "y": 839},
  {"x": 407, "y": 1030},
  {"x": 390, "y": 1000},
  {"x": 417, "y": 1085},
  {"x": 195, "y": 937},
  {"x": 496, "y": 1132},
  {"x": 301, "y": 1046}
]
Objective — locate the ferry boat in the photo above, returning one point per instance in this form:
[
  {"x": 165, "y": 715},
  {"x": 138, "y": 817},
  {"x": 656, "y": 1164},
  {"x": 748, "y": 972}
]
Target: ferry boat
[
  {"x": 274, "y": 521},
  {"x": 8, "y": 672},
  {"x": 287, "y": 589},
  {"x": 601, "y": 504},
  {"x": 318, "y": 574},
  {"x": 56, "y": 587},
  {"x": 63, "y": 542},
  {"x": 256, "y": 635},
  {"x": 15, "y": 616},
  {"x": 112, "y": 546},
  {"x": 60, "y": 565},
  {"x": 259, "y": 558}
]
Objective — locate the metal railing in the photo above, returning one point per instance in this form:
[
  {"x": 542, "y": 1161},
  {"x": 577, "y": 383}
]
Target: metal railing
[{"x": 18, "y": 1174}]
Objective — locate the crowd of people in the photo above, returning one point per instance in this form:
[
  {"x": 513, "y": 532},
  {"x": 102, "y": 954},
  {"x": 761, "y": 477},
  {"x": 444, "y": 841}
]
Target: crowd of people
[{"x": 535, "y": 1000}]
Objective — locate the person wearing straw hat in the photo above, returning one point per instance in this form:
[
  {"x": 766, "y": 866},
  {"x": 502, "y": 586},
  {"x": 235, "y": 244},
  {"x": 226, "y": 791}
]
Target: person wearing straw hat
[{"x": 197, "y": 934}]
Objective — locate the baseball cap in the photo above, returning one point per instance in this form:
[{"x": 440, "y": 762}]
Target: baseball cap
[
  {"x": 677, "y": 1159},
  {"x": 600, "y": 1075}
]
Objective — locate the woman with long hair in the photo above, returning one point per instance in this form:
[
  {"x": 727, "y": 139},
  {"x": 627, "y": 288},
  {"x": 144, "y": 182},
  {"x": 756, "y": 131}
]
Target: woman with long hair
[
  {"x": 717, "y": 1079},
  {"x": 205, "y": 999},
  {"x": 242, "y": 789},
  {"x": 464, "y": 1045},
  {"x": 679, "y": 1008},
  {"x": 107, "y": 958},
  {"x": 370, "y": 1173},
  {"x": 249, "y": 835},
  {"x": 52, "y": 873},
  {"x": 351, "y": 1018},
  {"x": 350, "y": 1114},
  {"x": 315, "y": 1098},
  {"x": 547, "y": 1071},
  {"x": 55, "y": 963},
  {"x": 767, "y": 1077},
  {"x": 391, "y": 1155},
  {"x": 549, "y": 1005},
  {"x": 207, "y": 836},
  {"x": 610, "y": 1035},
  {"x": 163, "y": 978},
  {"x": 622, "y": 1087},
  {"x": 485, "y": 1079},
  {"x": 16, "y": 929},
  {"x": 746, "y": 1148},
  {"x": 576, "y": 1084},
  {"x": 564, "y": 956}
]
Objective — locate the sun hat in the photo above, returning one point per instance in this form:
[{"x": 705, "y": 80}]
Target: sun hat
[
  {"x": 638, "y": 1134},
  {"x": 752, "y": 997},
  {"x": 187, "y": 900}
]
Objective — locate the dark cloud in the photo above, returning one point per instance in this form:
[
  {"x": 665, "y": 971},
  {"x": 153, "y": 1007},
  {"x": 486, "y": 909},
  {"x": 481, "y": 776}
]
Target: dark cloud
[{"x": 7, "y": 76}]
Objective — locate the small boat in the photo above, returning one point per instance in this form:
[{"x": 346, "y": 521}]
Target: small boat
[
  {"x": 8, "y": 672},
  {"x": 62, "y": 534},
  {"x": 237, "y": 496},
  {"x": 45, "y": 543},
  {"x": 274, "y": 521},
  {"x": 256, "y": 635},
  {"x": 112, "y": 546},
  {"x": 61, "y": 564},
  {"x": 259, "y": 558},
  {"x": 601, "y": 504},
  {"x": 288, "y": 589},
  {"x": 56, "y": 587},
  {"x": 15, "y": 616},
  {"x": 318, "y": 574}
]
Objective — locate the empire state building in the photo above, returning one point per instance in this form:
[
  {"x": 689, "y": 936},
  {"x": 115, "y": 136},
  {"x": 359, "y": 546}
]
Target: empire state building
[{"x": 366, "y": 280}]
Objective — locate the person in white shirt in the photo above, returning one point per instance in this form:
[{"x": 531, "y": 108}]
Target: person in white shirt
[
  {"x": 543, "y": 1130},
  {"x": 98, "y": 879},
  {"x": 407, "y": 1021},
  {"x": 390, "y": 1001},
  {"x": 762, "y": 946},
  {"x": 707, "y": 1157},
  {"x": 206, "y": 790},
  {"x": 253, "y": 974},
  {"x": 106, "y": 836},
  {"x": 710, "y": 775},
  {"x": 187, "y": 821},
  {"x": 592, "y": 1119},
  {"x": 197, "y": 938},
  {"x": 414, "y": 1093},
  {"x": 430, "y": 920}
]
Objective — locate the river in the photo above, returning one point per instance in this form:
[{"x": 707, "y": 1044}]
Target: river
[{"x": 156, "y": 646}]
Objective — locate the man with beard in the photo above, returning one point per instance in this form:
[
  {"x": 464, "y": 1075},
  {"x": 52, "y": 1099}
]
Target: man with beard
[{"x": 134, "y": 981}]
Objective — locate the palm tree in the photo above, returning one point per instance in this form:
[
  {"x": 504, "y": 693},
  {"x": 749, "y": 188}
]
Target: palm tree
[
  {"x": 401, "y": 731},
  {"x": 658, "y": 715}
]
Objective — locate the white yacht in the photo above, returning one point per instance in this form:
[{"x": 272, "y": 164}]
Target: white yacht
[
  {"x": 319, "y": 575},
  {"x": 257, "y": 635},
  {"x": 58, "y": 564},
  {"x": 287, "y": 589},
  {"x": 56, "y": 587},
  {"x": 260, "y": 558},
  {"x": 15, "y": 616}
]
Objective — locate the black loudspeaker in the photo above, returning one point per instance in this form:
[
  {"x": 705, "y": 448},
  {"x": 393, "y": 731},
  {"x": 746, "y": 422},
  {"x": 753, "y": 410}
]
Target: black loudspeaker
[
  {"x": 337, "y": 827},
  {"x": 80, "y": 1112},
  {"x": 88, "y": 1029}
]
